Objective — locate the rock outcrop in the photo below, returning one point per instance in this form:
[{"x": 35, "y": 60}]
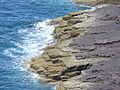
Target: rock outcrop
[
  {"x": 58, "y": 63},
  {"x": 86, "y": 53},
  {"x": 96, "y": 2},
  {"x": 102, "y": 41}
]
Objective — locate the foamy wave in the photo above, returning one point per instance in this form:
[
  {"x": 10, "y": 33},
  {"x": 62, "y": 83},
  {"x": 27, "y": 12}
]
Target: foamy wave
[
  {"x": 32, "y": 40},
  {"x": 54, "y": 87},
  {"x": 9, "y": 53},
  {"x": 43, "y": 24},
  {"x": 100, "y": 6},
  {"x": 34, "y": 76}
]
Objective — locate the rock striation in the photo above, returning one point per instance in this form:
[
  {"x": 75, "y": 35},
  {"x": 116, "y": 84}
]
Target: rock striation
[
  {"x": 58, "y": 64},
  {"x": 86, "y": 53},
  {"x": 102, "y": 41},
  {"x": 96, "y": 2}
]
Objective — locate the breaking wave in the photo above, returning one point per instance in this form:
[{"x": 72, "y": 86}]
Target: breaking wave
[{"x": 30, "y": 44}]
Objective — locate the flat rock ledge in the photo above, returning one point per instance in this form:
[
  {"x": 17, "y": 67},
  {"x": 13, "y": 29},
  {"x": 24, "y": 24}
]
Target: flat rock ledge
[
  {"x": 96, "y": 2},
  {"x": 58, "y": 63},
  {"x": 86, "y": 55}
]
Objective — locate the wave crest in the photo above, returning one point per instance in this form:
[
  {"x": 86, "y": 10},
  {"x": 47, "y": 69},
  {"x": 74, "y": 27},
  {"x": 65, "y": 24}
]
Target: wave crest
[{"x": 31, "y": 41}]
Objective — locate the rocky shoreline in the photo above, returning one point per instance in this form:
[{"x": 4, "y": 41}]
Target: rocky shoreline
[
  {"x": 57, "y": 63},
  {"x": 86, "y": 52},
  {"x": 96, "y": 2}
]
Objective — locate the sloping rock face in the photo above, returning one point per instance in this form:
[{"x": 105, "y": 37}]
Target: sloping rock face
[
  {"x": 58, "y": 64},
  {"x": 103, "y": 38},
  {"x": 86, "y": 54},
  {"x": 101, "y": 76},
  {"x": 96, "y": 2},
  {"x": 101, "y": 41},
  {"x": 87, "y": 2}
]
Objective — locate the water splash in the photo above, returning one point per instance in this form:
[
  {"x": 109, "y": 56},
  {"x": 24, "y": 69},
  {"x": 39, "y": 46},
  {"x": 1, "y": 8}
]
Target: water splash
[{"x": 30, "y": 45}]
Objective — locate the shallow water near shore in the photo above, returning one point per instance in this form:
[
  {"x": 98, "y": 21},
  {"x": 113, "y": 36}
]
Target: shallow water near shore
[{"x": 23, "y": 33}]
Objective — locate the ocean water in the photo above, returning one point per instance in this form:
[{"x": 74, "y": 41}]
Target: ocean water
[{"x": 23, "y": 34}]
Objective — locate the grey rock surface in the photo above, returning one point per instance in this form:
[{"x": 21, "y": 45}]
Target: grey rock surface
[{"x": 101, "y": 41}]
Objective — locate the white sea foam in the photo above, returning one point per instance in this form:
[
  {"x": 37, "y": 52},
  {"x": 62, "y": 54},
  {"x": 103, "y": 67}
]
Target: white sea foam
[
  {"x": 54, "y": 87},
  {"x": 86, "y": 6},
  {"x": 34, "y": 76},
  {"x": 31, "y": 41},
  {"x": 99, "y": 6},
  {"x": 41, "y": 25}
]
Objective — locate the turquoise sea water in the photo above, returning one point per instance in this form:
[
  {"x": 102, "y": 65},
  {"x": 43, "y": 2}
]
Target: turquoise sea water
[{"x": 23, "y": 31}]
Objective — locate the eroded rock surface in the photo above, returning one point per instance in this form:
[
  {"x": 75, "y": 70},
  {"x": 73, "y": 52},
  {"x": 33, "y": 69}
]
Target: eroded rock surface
[
  {"x": 101, "y": 41},
  {"x": 96, "y": 2},
  {"x": 86, "y": 54},
  {"x": 58, "y": 64},
  {"x": 101, "y": 76}
]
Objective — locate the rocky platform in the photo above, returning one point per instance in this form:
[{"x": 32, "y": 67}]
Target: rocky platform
[
  {"x": 86, "y": 54},
  {"x": 58, "y": 63},
  {"x": 101, "y": 41},
  {"x": 96, "y": 2}
]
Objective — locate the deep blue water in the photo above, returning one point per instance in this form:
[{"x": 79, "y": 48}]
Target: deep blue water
[{"x": 21, "y": 36}]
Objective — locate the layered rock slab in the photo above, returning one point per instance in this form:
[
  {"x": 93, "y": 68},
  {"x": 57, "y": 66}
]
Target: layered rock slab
[
  {"x": 101, "y": 41},
  {"x": 96, "y": 2},
  {"x": 57, "y": 64},
  {"x": 83, "y": 39}
]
